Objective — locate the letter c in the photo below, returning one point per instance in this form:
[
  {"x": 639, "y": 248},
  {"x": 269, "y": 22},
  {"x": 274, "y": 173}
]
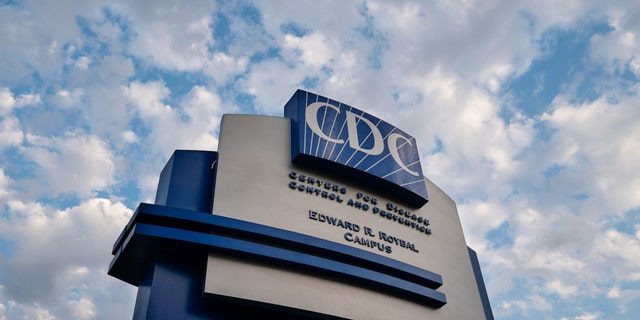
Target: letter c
[
  {"x": 393, "y": 150},
  {"x": 348, "y": 236},
  {"x": 311, "y": 117}
]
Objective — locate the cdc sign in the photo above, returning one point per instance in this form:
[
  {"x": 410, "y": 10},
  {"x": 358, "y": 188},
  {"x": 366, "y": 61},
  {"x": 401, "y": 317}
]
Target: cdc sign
[
  {"x": 321, "y": 214},
  {"x": 327, "y": 133}
]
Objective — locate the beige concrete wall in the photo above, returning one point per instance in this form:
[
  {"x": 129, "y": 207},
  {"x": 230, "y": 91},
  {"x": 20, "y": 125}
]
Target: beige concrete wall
[{"x": 253, "y": 185}]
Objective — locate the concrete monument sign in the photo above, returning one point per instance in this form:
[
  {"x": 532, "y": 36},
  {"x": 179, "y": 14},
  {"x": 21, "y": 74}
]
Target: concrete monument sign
[{"x": 323, "y": 213}]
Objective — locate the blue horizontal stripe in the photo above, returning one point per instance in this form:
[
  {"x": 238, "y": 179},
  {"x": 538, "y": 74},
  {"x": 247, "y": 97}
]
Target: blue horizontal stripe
[
  {"x": 207, "y": 222},
  {"x": 142, "y": 238},
  {"x": 157, "y": 228}
]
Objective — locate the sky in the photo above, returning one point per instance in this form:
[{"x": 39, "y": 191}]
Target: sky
[{"x": 527, "y": 113}]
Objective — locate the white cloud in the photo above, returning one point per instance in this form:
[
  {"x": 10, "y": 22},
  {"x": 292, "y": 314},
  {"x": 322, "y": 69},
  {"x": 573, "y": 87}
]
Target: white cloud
[
  {"x": 448, "y": 31},
  {"x": 564, "y": 290},
  {"x": 546, "y": 244},
  {"x": 171, "y": 35},
  {"x": 270, "y": 88},
  {"x": 129, "y": 136},
  {"x": 222, "y": 67},
  {"x": 335, "y": 19},
  {"x": 82, "y": 309},
  {"x": 3, "y": 309},
  {"x": 73, "y": 164},
  {"x": 25, "y": 47},
  {"x": 603, "y": 138},
  {"x": 203, "y": 110},
  {"x": 203, "y": 107},
  {"x": 623, "y": 297},
  {"x": 147, "y": 97},
  {"x": 10, "y": 132},
  {"x": 65, "y": 98},
  {"x": 96, "y": 95},
  {"x": 614, "y": 293},
  {"x": 560, "y": 226},
  {"x": 618, "y": 49},
  {"x": 83, "y": 62},
  {"x": 482, "y": 217},
  {"x": 315, "y": 49},
  {"x": 61, "y": 272},
  {"x": 623, "y": 248},
  {"x": 586, "y": 316},
  {"x": 477, "y": 146},
  {"x": 8, "y": 102},
  {"x": 36, "y": 33},
  {"x": 192, "y": 125},
  {"x": 6, "y": 191},
  {"x": 525, "y": 307}
]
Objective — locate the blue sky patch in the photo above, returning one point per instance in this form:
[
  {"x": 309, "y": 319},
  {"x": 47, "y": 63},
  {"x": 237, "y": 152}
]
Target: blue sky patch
[{"x": 563, "y": 61}]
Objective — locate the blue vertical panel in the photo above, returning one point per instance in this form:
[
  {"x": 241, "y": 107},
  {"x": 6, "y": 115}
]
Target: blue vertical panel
[
  {"x": 187, "y": 180},
  {"x": 171, "y": 288},
  {"x": 329, "y": 134},
  {"x": 484, "y": 297}
]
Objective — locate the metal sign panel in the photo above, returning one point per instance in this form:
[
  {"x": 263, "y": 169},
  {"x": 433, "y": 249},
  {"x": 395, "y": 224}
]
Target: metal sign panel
[{"x": 331, "y": 135}]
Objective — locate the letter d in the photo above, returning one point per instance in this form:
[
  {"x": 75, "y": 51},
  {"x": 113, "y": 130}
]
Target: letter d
[{"x": 354, "y": 138}]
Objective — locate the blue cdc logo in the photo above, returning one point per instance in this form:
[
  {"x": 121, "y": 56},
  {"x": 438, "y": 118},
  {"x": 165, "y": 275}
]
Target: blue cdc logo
[{"x": 330, "y": 135}]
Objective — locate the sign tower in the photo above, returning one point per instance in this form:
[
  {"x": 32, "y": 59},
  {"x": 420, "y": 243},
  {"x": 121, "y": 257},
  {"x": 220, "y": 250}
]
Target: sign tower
[{"x": 323, "y": 213}]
